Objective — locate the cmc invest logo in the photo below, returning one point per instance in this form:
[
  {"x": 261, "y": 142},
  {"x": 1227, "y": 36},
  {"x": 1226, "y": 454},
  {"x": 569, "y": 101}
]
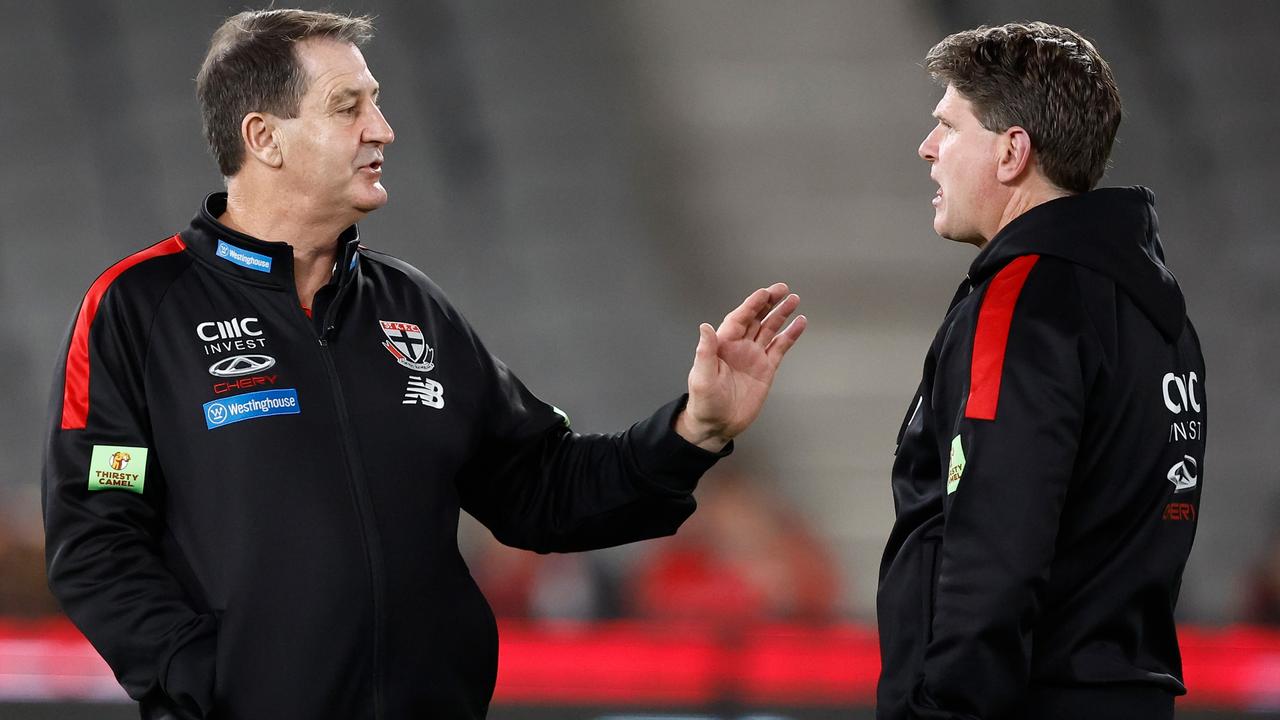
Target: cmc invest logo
[{"x": 1180, "y": 392}]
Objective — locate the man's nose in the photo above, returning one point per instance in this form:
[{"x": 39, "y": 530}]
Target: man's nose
[
  {"x": 928, "y": 150},
  {"x": 379, "y": 130}
]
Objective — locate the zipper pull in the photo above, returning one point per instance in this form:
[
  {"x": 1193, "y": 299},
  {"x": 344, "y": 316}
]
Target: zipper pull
[{"x": 324, "y": 342}]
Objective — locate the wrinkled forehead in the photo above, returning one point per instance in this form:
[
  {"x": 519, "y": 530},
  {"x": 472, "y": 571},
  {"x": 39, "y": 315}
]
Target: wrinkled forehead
[{"x": 333, "y": 67}]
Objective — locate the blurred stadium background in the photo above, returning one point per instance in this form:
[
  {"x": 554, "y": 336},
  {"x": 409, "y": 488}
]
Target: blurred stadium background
[{"x": 588, "y": 181}]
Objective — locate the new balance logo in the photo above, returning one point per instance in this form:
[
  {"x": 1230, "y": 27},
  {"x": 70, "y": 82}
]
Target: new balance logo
[{"x": 424, "y": 391}]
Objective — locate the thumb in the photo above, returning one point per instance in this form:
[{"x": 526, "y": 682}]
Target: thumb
[{"x": 704, "y": 357}]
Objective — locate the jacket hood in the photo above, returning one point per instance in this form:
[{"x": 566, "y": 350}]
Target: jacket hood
[{"x": 1112, "y": 231}]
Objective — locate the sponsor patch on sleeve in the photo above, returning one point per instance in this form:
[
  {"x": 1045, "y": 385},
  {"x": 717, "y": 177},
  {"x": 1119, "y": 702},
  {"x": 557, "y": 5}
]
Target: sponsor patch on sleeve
[
  {"x": 118, "y": 467},
  {"x": 956, "y": 466}
]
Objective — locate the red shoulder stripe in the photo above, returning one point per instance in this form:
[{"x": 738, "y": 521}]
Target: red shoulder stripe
[
  {"x": 75, "y": 391},
  {"x": 992, "y": 337}
]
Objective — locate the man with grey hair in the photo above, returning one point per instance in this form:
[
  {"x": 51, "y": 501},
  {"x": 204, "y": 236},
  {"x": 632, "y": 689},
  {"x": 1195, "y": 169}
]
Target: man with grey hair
[
  {"x": 263, "y": 431},
  {"x": 1047, "y": 478}
]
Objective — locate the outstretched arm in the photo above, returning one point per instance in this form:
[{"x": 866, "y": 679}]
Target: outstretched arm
[
  {"x": 734, "y": 365},
  {"x": 540, "y": 486}
]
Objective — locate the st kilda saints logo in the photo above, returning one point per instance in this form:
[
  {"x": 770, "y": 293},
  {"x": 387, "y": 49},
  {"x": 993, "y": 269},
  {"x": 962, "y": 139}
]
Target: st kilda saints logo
[{"x": 407, "y": 345}]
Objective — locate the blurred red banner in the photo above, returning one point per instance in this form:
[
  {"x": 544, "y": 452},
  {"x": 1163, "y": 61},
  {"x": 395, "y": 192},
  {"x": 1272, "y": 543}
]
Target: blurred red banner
[{"x": 628, "y": 663}]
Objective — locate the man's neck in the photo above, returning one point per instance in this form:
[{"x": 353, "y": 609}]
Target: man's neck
[
  {"x": 1023, "y": 198},
  {"x": 313, "y": 237}
]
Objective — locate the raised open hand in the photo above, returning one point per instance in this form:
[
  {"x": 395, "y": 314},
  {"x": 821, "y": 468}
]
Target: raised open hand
[{"x": 734, "y": 365}]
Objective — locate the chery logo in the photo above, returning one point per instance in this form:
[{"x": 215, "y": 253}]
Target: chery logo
[
  {"x": 241, "y": 365},
  {"x": 1183, "y": 475}
]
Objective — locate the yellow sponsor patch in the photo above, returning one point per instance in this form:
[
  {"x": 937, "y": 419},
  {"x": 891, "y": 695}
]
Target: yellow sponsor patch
[
  {"x": 956, "y": 466},
  {"x": 118, "y": 467}
]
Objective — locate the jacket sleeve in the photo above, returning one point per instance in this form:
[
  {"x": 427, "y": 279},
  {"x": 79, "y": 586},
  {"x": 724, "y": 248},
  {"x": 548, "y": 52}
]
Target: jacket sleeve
[
  {"x": 1016, "y": 414},
  {"x": 103, "y": 515},
  {"x": 539, "y": 486}
]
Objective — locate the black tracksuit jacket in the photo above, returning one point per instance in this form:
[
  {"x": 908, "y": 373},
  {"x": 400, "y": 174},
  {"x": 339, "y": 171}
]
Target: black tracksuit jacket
[
  {"x": 1047, "y": 479},
  {"x": 252, "y": 513}
]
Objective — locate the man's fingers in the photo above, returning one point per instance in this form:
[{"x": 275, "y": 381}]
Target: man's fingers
[
  {"x": 743, "y": 320},
  {"x": 777, "y": 292},
  {"x": 785, "y": 339},
  {"x": 738, "y": 321},
  {"x": 776, "y": 318}
]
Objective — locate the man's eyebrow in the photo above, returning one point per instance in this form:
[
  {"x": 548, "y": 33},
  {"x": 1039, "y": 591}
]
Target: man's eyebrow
[
  {"x": 347, "y": 93},
  {"x": 339, "y": 96}
]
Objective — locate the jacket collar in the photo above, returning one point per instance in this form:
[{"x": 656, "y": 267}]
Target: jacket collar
[
  {"x": 257, "y": 261},
  {"x": 1112, "y": 231}
]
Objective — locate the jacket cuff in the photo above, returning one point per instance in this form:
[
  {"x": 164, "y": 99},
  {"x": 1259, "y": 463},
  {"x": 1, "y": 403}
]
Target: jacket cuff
[
  {"x": 670, "y": 464},
  {"x": 189, "y": 675},
  {"x": 921, "y": 707}
]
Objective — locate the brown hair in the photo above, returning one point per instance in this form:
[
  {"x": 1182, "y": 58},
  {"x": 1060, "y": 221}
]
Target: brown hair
[
  {"x": 1046, "y": 79},
  {"x": 251, "y": 67}
]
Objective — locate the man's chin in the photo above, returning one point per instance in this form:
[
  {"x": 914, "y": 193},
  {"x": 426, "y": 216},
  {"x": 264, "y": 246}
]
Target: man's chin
[
  {"x": 974, "y": 239},
  {"x": 370, "y": 201},
  {"x": 941, "y": 228}
]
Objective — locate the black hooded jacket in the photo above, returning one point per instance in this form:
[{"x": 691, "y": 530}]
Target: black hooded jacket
[
  {"x": 1047, "y": 478},
  {"x": 252, "y": 512}
]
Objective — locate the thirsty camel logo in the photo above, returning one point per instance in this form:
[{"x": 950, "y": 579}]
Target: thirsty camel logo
[{"x": 120, "y": 460}]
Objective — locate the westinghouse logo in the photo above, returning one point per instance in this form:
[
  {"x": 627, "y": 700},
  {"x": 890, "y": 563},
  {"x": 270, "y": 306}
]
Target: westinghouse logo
[
  {"x": 228, "y": 411},
  {"x": 243, "y": 258}
]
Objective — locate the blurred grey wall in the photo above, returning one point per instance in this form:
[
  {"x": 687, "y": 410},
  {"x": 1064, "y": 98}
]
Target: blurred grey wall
[{"x": 589, "y": 180}]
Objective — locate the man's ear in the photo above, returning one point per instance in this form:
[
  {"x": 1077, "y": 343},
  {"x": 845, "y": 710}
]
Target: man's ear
[
  {"x": 1014, "y": 158},
  {"x": 258, "y": 131}
]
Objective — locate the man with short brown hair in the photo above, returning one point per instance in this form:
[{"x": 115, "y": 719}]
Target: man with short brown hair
[
  {"x": 1047, "y": 478},
  {"x": 251, "y": 66},
  {"x": 263, "y": 430}
]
